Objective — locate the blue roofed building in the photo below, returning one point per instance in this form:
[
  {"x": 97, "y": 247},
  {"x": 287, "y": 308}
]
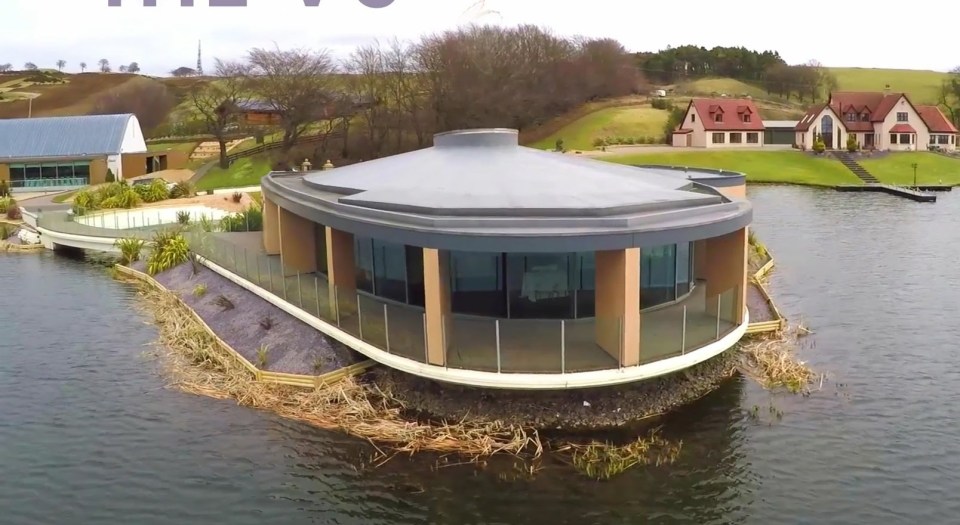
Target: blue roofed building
[{"x": 66, "y": 152}]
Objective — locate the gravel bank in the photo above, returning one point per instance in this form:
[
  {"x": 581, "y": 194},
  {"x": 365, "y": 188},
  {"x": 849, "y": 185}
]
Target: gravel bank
[{"x": 294, "y": 347}]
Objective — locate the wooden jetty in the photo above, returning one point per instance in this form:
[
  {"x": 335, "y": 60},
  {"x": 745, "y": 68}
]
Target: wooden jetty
[{"x": 898, "y": 191}]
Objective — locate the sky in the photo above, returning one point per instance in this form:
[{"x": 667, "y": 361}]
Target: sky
[{"x": 841, "y": 33}]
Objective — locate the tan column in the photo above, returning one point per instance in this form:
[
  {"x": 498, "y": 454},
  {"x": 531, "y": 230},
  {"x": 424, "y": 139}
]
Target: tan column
[
  {"x": 298, "y": 243},
  {"x": 618, "y": 304},
  {"x": 5, "y": 172},
  {"x": 725, "y": 269},
  {"x": 271, "y": 227},
  {"x": 341, "y": 266},
  {"x": 436, "y": 289}
]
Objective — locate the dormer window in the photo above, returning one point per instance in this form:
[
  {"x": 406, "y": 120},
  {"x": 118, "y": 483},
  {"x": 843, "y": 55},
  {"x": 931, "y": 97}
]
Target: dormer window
[
  {"x": 746, "y": 117},
  {"x": 864, "y": 117},
  {"x": 718, "y": 117},
  {"x": 851, "y": 117}
]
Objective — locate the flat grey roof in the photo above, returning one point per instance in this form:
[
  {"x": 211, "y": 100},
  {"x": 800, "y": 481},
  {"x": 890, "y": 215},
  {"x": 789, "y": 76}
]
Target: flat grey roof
[
  {"x": 709, "y": 177},
  {"x": 50, "y": 137},
  {"x": 479, "y": 190}
]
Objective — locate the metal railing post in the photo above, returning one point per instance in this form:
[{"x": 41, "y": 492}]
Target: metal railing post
[
  {"x": 316, "y": 291},
  {"x": 299, "y": 291},
  {"x": 386, "y": 327},
  {"x": 270, "y": 274},
  {"x": 259, "y": 277},
  {"x": 336, "y": 303},
  {"x": 718, "y": 317},
  {"x": 359, "y": 317},
  {"x": 683, "y": 332},
  {"x": 497, "y": 330},
  {"x": 563, "y": 346},
  {"x": 283, "y": 279}
]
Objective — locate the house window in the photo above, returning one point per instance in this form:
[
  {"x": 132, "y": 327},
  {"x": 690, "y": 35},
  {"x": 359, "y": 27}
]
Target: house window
[
  {"x": 753, "y": 138},
  {"x": 864, "y": 117},
  {"x": 736, "y": 138},
  {"x": 902, "y": 116},
  {"x": 718, "y": 138},
  {"x": 933, "y": 139},
  {"x": 893, "y": 138},
  {"x": 905, "y": 138},
  {"x": 718, "y": 117},
  {"x": 693, "y": 118},
  {"x": 746, "y": 117},
  {"x": 851, "y": 117},
  {"x": 942, "y": 139}
]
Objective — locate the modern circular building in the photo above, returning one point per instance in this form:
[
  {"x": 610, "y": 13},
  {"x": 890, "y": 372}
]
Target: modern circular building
[{"x": 481, "y": 262}]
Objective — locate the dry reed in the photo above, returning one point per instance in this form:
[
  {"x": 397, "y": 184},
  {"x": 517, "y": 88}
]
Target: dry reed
[
  {"x": 605, "y": 460},
  {"x": 199, "y": 366},
  {"x": 772, "y": 361}
]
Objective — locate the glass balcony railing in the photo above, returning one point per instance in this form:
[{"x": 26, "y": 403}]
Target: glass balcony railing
[{"x": 478, "y": 343}]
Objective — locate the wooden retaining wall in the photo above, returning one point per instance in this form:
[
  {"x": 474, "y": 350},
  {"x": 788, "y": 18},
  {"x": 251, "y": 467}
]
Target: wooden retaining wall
[
  {"x": 779, "y": 322},
  {"x": 264, "y": 376}
]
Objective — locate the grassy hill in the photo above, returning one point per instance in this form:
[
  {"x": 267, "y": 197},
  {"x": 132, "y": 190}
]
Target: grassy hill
[
  {"x": 922, "y": 86},
  {"x": 626, "y": 121}
]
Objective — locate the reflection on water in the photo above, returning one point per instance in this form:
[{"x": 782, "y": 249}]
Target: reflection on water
[{"x": 89, "y": 434}]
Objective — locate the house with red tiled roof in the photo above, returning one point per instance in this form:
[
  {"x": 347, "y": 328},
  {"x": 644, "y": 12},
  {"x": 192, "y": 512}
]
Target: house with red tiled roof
[
  {"x": 720, "y": 123},
  {"x": 877, "y": 120}
]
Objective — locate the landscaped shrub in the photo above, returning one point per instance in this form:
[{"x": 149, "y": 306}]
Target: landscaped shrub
[
  {"x": 13, "y": 210},
  {"x": 130, "y": 249},
  {"x": 237, "y": 197},
  {"x": 183, "y": 217},
  {"x": 125, "y": 198},
  {"x": 169, "y": 249},
  {"x": 661, "y": 103},
  {"x": 5, "y": 204},
  {"x": 156, "y": 191},
  {"x": 249, "y": 220},
  {"x": 181, "y": 190},
  {"x": 852, "y": 145},
  {"x": 819, "y": 146},
  {"x": 110, "y": 177}
]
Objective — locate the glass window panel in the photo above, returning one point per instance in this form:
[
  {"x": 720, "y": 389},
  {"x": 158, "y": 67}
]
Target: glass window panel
[
  {"x": 32, "y": 172},
  {"x": 390, "y": 270},
  {"x": 539, "y": 285},
  {"x": 17, "y": 172},
  {"x": 48, "y": 171},
  {"x": 363, "y": 255},
  {"x": 81, "y": 170},
  {"x": 684, "y": 251},
  {"x": 414, "y": 275},
  {"x": 320, "y": 234},
  {"x": 585, "y": 284},
  {"x": 657, "y": 275},
  {"x": 65, "y": 171},
  {"x": 476, "y": 283}
]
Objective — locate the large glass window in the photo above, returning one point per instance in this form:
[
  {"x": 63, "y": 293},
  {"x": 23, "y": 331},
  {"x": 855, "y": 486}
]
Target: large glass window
[
  {"x": 658, "y": 275},
  {"x": 476, "y": 284},
  {"x": 684, "y": 268},
  {"x": 389, "y": 270},
  {"x": 320, "y": 238},
  {"x": 49, "y": 174},
  {"x": 539, "y": 285}
]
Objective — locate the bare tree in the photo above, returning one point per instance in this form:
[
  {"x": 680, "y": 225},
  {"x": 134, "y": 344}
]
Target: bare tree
[
  {"x": 104, "y": 65},
  {"x": 949, "y": 96},
  {"x": 122, "y": 68},
  {"x": 61, "y": 64},
  {"x": 367, "y": 80},
  {"x": 6, "y": 67},
  {"x": 29, "y": 66},
  {"x": 133, "y": 68},
  {"x": 297, "y": 83},
  {"x": 149, "y": 100},
  {"x": 217, "y": 103},
  {"x": 83, "y": 67}
]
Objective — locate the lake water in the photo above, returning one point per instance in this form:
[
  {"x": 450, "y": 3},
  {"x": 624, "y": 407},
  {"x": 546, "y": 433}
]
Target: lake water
[{"x": 89, "y": 434}]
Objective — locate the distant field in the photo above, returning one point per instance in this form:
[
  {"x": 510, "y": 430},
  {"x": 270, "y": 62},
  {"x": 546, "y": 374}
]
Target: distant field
[
  {"x": 627, "y": 121},
  {"x": 896, "y": 168},
  {"x": 186, "y": 147},
  {"x": 922, "y": 86},
  {"x": 706, "y": 87},
  {"x": 790, "y": 167}
]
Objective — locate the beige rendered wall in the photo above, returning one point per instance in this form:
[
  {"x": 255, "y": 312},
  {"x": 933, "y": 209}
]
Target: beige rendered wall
[
  {"x": 922, "y": 137},
  {"x": 734, "y": 192},
  {"x": 298, "y": 243},
  {"x": 271, "y": 227},
  {"x": 436, "y": 289},
  {"x": 693, "y": 121},
  {"x": 341, "y": 266},
  {"x": 724, "y": 266},
  {"x": 618, "y": 304},
  {"x": 5, "y": 172},
  {"x": 98, "y": 171}
]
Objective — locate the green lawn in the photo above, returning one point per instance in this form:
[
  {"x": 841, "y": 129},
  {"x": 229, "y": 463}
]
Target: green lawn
[
  {"x": 731, "y": 87},
  {"x": 622, "y": 122},
  {"x": 243, "y": 172},
  {"x": 896, "y": 168},
  {"x": 922, "y": 86},
  {"x": 789, "y": 167}
]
